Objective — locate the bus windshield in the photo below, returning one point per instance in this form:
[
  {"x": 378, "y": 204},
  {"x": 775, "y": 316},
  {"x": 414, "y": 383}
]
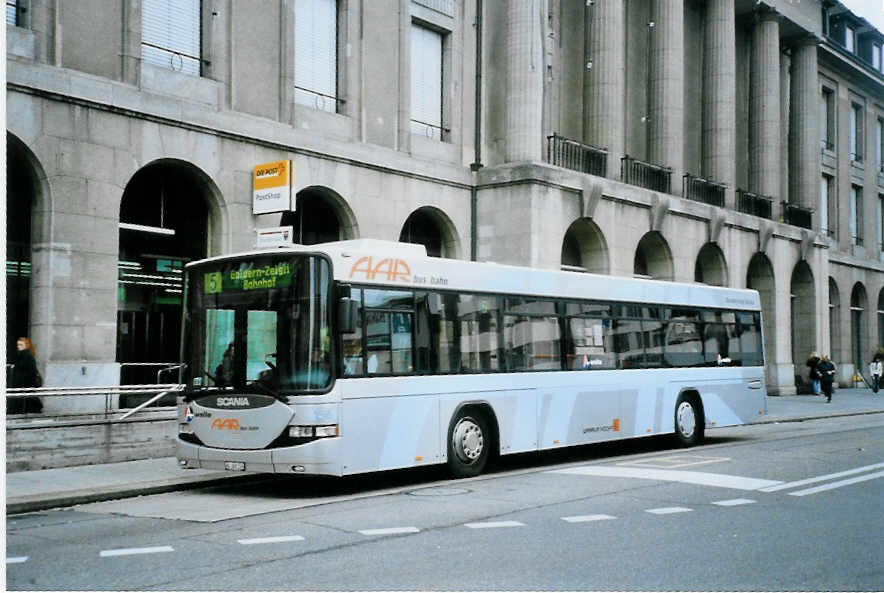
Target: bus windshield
[{"x": 259, "y": 324}]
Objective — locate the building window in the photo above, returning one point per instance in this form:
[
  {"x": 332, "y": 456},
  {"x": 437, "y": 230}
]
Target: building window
[
  {"x": 879, "y": 228},
  {"x": 876, "y": 57},
  {"x": 855, "y": 132},
  {"x": 171, "y": 34},
  {"x": 12, "y": 12},
  {"x": 879, "y": 149},
  {"x": 849, "y": 37},
  {"x": 316, "y": 54},
  {"x": 856, "y": 215},
  {"x": 825, "y": 185},
  {"x": 426, "y": 82},
  {"x": 827, "y": 119}
]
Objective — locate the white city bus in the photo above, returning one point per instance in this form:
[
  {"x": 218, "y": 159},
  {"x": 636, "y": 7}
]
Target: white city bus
[{"x": 359, "y": 356}]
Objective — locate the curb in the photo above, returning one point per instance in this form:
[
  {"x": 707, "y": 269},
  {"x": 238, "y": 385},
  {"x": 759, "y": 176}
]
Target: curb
[{"x": 17, "y": 505}]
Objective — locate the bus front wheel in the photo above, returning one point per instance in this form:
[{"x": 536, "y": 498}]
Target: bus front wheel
[
  {"x": 469, "y": 444},
  {"x": 689, "y": 421}
]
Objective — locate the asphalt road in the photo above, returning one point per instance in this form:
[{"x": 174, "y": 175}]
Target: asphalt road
[{"x": 796, "y": 506}]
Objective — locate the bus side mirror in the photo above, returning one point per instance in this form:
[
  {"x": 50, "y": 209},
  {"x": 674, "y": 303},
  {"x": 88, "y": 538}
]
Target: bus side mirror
[{"x": 348, "y": 310}]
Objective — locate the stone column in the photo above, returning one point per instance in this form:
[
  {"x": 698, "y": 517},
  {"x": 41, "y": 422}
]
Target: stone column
[
  {"x": 604, "y": 91},
  {"x": 764, "y": 105},
  {"x": 524, "y": 110},
  {"x": 719, "y": 95},
  {"x": 666, "y": 93},
  {"x": 804, "y": 132}
]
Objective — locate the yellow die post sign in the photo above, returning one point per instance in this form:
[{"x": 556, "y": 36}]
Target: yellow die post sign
[{"x": 272, "y": 187}]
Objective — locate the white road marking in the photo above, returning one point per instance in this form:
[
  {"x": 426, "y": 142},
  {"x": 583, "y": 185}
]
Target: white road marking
[
  {"x": 389, "y": 531},
  {"x": 700, "y": 478},
  {"x": 271, "y": 540},
  {"x": 494, "y": 524},
  {"x": 16, "y": 559},
  {"x": 734, "y": 502},
  {"x": 668, "y": 510},
  {"x": 849, "y": 472},
  {"x": 834, "y": 485},
  {"x": 131, "y": 551},
  {"x": 587, "y": 518},
  {"x": 675, "y": 462}
]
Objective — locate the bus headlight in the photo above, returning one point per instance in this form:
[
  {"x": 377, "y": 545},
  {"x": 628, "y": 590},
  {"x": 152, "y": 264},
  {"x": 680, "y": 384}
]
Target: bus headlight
[{"x": 313, "y": 431}]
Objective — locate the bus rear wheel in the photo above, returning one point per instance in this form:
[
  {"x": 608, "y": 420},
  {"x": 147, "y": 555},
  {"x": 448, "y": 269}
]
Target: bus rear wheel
[
  {"x": 469, "y": 444},
  {"x": 689, "y": 421}
]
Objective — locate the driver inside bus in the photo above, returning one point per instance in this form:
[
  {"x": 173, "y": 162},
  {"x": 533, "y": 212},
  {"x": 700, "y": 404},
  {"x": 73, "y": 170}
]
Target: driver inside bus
[{"x": 224, "y": 370}]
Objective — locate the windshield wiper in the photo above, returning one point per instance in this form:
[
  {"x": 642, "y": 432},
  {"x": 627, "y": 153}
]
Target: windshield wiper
[{"x": 264, "y": 390}]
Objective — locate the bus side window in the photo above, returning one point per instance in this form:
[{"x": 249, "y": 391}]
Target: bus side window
[
  {"x": 351, "y": 344},
  {"x": 750, "y": 339},
  {"x": 585, "y": 346}
]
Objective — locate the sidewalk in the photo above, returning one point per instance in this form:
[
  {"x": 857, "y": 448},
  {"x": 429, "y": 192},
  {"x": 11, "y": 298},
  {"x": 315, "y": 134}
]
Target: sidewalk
[{"x": 52, "y": 488}]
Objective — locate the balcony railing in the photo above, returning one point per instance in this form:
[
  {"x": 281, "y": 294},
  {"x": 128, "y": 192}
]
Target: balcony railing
[
  {"x": 703, "y": 190},
  {"x": 570, "y": 154},
  {"x": 755, "y": 204},
  {"x": 797, "y": 215},
  {"x": 646, "y": 175}
]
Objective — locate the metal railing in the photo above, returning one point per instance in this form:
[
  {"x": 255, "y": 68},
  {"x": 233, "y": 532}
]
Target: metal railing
[
  {"x": 703, "y": 190},
  {"x": 755, "y": 204},
  {"x": 797, "y": 215},
  {"x": 570, "y": 154},
  {"x": 157, "y": 391},
  {"x": 646, "y": 175}
]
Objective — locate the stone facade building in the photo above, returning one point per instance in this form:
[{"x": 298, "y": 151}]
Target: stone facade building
[{"x": 730, "y": 142}]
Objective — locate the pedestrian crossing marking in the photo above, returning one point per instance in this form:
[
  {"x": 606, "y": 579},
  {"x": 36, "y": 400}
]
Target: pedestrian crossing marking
[{"x": 687, "y": 477}]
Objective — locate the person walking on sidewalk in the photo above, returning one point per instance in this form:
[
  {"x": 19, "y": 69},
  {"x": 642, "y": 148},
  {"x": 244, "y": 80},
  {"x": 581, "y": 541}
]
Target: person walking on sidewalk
[
  {"x": 814, "y": 374},
  {"x": 826, "y": 369},
  {"x": 876, "y": 368}
]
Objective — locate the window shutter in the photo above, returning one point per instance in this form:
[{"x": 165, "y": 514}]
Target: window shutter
[
  {"x": 170, "y": 34},
  {"x": 316, "y": 54},
  {"x": 426, "y": 82}
]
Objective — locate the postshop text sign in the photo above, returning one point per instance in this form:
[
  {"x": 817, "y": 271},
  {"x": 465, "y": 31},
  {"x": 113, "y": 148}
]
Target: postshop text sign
[{"x": 272, "y": 187}]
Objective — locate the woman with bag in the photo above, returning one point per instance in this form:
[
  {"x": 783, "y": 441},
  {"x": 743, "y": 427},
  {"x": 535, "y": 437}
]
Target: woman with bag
[{"x": 24, "y": 375}]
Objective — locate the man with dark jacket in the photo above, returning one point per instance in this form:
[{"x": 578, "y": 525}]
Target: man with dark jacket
[{"x": 827, "y": 376}]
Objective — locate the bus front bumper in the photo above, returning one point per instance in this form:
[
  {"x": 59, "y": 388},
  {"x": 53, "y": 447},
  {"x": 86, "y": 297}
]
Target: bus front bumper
[{"x": 314, "y": 458}]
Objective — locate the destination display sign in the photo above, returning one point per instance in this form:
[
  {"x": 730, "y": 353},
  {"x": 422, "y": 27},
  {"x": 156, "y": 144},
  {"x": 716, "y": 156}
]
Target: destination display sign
[{"x": 249, "y": 276}]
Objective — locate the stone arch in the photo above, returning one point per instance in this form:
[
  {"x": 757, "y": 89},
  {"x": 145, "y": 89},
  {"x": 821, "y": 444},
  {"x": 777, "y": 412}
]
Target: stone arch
[
  {"x": 584, "y": 248},
  {"x": 834, "y": 319},
  {"x": 760, "y": 277},
  {"x": 432, "y": 228},
  {"x": 803, "y": 311},
  {"x": 711, "y": 266},
  {"x": 27, "y": 199},
  {"x": 321, "y": 215},
  {"x": 859, "y": 325},
  {"x": 653, "y": 258},
  {"x": 168, "y": 212}
]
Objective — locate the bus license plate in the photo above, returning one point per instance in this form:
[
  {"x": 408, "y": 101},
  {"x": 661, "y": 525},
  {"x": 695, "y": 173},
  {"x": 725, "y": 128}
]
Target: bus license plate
[{"x": 235, "y": 466}]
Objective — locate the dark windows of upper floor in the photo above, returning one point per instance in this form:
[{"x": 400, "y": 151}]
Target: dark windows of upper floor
[
  {"x": 827, "y": 118},
  {"x": 879, "y": 147},
  {"x": 316, "y": 54},
  {"x": 855, "y": 217},
  {"x": 827, "y": 206},
  {"x": 12, "y": 12},
  {"x": 856, "y": 132},
  {"x": 171, "y": 34}
]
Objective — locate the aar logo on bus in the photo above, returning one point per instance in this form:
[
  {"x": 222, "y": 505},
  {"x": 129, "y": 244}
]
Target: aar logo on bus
[{"x": 388, "y": 269}]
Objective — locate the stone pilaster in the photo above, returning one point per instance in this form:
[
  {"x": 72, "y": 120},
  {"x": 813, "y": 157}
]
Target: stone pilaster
[
  {"x": 804, "y": 132},
  {"x": 524, "y": 110},
  {"x": 666, "y": 97},
  {"x": 764, "y": 106},
  {"x": 604, "y": 93},
  {"x": 719, "y": 94}
]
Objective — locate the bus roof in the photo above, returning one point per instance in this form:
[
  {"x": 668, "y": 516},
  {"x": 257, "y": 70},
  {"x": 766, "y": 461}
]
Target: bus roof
[{"x": 406, "y": 265}]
